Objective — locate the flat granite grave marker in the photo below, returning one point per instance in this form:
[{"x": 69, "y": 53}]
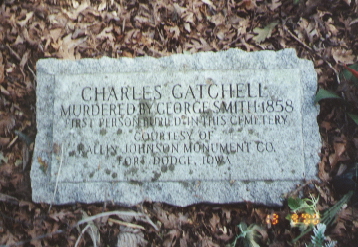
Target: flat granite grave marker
[{"x": 221, "y": 127}]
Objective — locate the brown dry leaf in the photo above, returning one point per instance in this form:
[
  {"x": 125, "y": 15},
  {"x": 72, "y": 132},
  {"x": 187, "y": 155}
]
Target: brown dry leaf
[
  {"x": 8, "y": 239},
  {"x": 339, "y": 148},
  {"x": 7, "y": 198},
  {"x": 173, "y": 32},
  {"x": 275, "y": 4},
  {"x": 73, "y": 14},
  {"x": 7, "y": 123},
  {"x": 107, "y": 34},
  {"x": 171, "y": 238},
  {"x": 207, "y": 242},
  {"x": 261, "y": 213},
  {"x": 308, "y": 30},
  {"x": 24, "y": 59},
  {"x": 341, "y": 55},
  {"x": 221, "y": 31},
  {"x": 188, "y": 17},
  {"x": 129, "y": 237},
  {"x": 325, "y": 193},
  {"x": 187, "y": 27},
  {"x": 170, "y": 220},
  {"x": 348, "y": 2},
  {"x": 55, "y": 34},
  {"x": 26, "y": 204},
  {"x": 34, "y": 233},
  {"x": 60, "y": 216},
  {"x": 322, "y": 173},
  {"x": 339, "y": 229},
  {"x": 331, "y": 28},
  {"x": 2, "y": 69},
  {"x": 263, "y": 33},
  {"x": 214, "y": 222},
  {"x": 210, "y": 3},
  {"x": 17, "y": 178},
  {"x": 327, "y": 125},
  {"x": 217, "y": 19},
  {"x": 67, "y": 47},
  {"x": 248, "y": 4},
  {"x": 28, "y": 17},
  {"x": 348, "y": 214},
  {"x": 4, "y": 141}
]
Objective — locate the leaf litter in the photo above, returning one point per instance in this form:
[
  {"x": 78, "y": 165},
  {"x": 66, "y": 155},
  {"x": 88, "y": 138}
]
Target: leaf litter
[{"x": 321, "y": 31}]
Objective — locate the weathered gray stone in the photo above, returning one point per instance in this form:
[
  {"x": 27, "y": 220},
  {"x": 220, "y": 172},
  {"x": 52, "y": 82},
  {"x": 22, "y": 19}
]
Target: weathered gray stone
[{"x": 211, "y": 127}]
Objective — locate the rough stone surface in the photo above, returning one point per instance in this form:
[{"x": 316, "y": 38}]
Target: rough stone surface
[{"x": 211, "y": 127}]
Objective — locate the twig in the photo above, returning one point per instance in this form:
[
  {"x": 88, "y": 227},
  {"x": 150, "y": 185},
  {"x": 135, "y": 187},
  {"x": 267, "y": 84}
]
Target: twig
[
  {"x": 9, "y": 199},
  {"x": 296, "y": 38},
  {"x": 13, "y": 141},
  {"x": 312, "y": 50},
  {"x": 126, "y": 213},
  {"x": 14, "y": 53},
  {"x": 32, "y": 72},
  {"x": 58, "y": 175},
  {"x": 134, "y": 214},
  {"x": 122, "y": 223},
  {"x": 79, "y": 237}
]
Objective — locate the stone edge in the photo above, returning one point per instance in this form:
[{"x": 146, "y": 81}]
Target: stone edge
[{"x": 188, "y": 192}]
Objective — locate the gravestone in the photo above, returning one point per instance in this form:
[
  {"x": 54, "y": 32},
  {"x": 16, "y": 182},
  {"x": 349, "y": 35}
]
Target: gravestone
[{"x": 221, "y": 127}]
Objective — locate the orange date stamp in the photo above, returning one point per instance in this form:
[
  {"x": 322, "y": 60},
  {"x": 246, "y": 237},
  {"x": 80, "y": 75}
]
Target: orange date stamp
[{"x": 296, "y": 219}]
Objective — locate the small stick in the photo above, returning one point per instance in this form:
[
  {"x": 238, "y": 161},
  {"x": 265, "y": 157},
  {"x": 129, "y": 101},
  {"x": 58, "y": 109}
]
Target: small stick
[
  {"x": 134, "y": 214},
  {"x": 311, "y": 49},
  {"x": 122, "y": 223},
  {"x": 79, "y": 237},
  {"x": 12, "y": 142}
]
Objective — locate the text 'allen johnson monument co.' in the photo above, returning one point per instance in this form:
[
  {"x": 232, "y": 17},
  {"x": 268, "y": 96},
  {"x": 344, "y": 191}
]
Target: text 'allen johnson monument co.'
[{"x": 210, "y": 127}]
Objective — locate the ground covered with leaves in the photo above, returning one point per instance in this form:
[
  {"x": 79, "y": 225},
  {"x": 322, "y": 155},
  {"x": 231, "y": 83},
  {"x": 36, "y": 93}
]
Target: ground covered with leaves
[{"x": 323, "y": 31}]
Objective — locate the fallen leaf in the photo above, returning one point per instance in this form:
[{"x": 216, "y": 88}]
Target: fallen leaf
[
  {"x": 207, "y": 241},
  {"x": 339, "y": 229},
  {"x": 263, "y": 33},
  {"x": 129, "y": 237},
  {"x": 2, "y": 69},
  {"x": 67, "y": 47},
  {"x": 339, "y": 148},
  {"x": 214, "y": 222},
  {"x": 210, "y": 3},
  {"x": 348, "y": 2},
  {"x": 171, "y": 238},
  {"x": 8, "y": 239},
  {"x": 75, "y": 12},
  {"x": 341, "y": 55},
  {"x": 60, "y": 216},
  {"x": 173, "y": 32},
  {"x": 7, "y": 123},
  {"x": 9, "y": 199},
  {"x": 248, "y": 4},
  {"x": 55, "y": 34},
  {"x": 331, "y": 27},
  {"x": 28, "y": 17},
  {"x": 275, "y": 4},
  {"x": 4, "y": 141},
  {"x": 322, "y": 173}
]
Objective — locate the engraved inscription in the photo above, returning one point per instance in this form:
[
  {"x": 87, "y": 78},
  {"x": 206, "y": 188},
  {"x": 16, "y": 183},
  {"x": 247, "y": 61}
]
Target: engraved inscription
[{"x": 151, "y": 129}]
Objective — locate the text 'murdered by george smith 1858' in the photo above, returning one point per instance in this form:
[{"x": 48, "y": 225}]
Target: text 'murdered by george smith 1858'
[{"x": 169, "y": 124}]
